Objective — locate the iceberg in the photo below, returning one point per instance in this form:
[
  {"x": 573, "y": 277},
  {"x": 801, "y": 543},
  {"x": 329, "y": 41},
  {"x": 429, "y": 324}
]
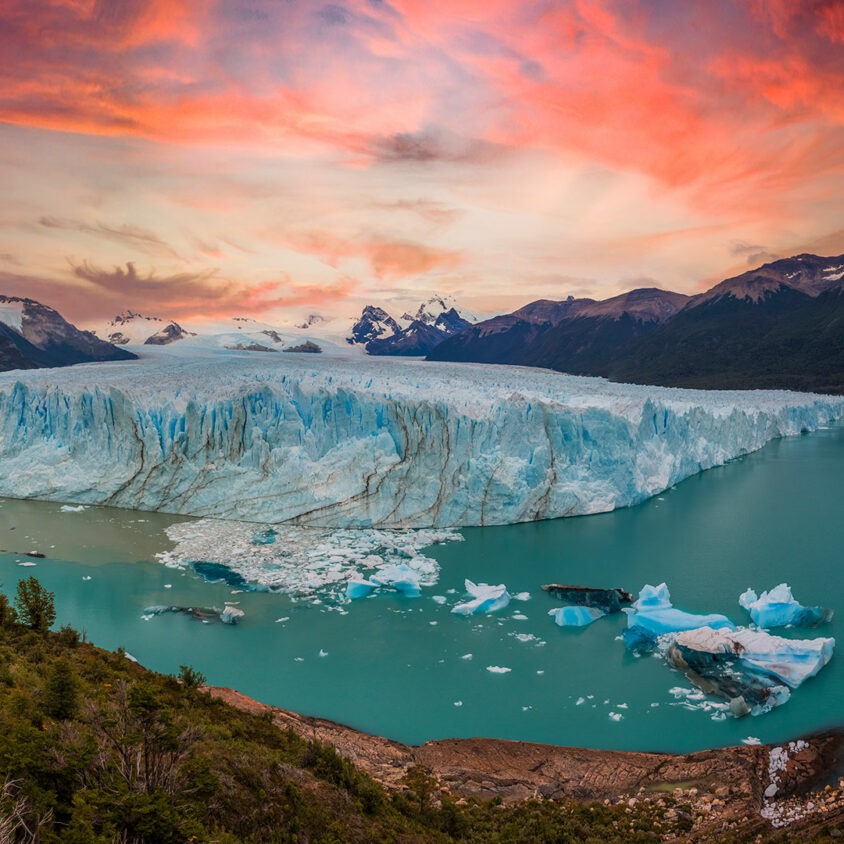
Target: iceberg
[
  {"x": 576, "y": 616},
  {"x": 653, "y": 615},
  {"x": 485, "y": 598},
  {"x": 401, "y": 578},
  {"x": 231, "y": 615},
  {"x": 357, "y": 588},
  {"x": 228, "y": 615},
  {"x": 338, "y": 442},
  {"x": 778, "y": 608},
  {"x": 753, "y": 670}
]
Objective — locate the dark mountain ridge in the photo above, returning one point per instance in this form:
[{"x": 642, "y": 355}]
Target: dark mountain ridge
[{"x": 779, "y": 326}]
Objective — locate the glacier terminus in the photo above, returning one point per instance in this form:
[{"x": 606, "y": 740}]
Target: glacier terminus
[{"x": 346, "y": 442}]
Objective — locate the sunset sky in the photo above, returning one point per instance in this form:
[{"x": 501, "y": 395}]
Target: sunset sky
[{"x": 193, "y": 158}]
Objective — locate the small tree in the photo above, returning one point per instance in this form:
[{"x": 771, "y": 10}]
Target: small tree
[
  {"x": 61, "y": 695},
  {"x": 8, "y": 616},
  {"x": 36, "y": 606},
  {"x": 190, "y": 677}
]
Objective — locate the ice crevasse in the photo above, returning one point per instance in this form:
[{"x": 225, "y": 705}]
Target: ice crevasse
[{"x": 356, "y": 443}]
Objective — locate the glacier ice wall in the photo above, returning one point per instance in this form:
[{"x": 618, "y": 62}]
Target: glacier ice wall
[{"x": 345, "y": 443}]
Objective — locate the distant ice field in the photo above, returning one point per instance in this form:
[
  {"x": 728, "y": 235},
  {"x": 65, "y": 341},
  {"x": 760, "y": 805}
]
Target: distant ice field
[{"x": 345, "y": 441}]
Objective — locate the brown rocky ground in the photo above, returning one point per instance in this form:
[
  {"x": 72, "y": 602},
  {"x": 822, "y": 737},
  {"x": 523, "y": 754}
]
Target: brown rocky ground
[{"x": 714, "y": 794}]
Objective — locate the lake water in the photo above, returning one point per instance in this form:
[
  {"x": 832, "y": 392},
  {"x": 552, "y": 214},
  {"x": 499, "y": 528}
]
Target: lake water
[{"x": 396, "y": 666}]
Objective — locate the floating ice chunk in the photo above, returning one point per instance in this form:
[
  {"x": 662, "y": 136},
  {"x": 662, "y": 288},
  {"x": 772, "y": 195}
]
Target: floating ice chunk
[
  {"x": 69, "y": 508},
  {"x": 575, "y": 616},
  {"x": 580, "y": 701},
  {"x": 27, "y": 565},
  {"x": 466, "y": 656},
  {"x": 616, "y": 716},
  {"x": 778, "y": 608},
  {"x": 521, "y": 596},
  {"x": 281, "y": 620},
  {"x": 231, "y": 615},
  {"x": 486, "y": 598},
  {"x": 519, "y": 617},
  {"x": 401, "y": 577},
  {"x": 458, "y": 703},
  {"x": 87, "y": 577},
  {"x": 751, "y": 741},
  {"x": 438, "y": 599},
  {"x": 653, "y": 597},
  {"x": 498, "y": 669},
  {"x": 753, "y": 670},
  {"x": 653, "y": 615},
  {"x": 323, "y": 652},
  {"x": 357, "y": 588},
  {"x": 608, "y": 600}
]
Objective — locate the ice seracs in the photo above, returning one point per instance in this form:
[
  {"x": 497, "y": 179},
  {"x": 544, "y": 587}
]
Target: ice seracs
[
  {"x": 778, "y": 608},
  {"x": 485, "y": 598},
  {"x": 334, "y": 442}
]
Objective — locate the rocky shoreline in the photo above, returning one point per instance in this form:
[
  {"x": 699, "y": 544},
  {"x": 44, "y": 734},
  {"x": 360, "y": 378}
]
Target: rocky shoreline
[{"x": 767, "y": 790}]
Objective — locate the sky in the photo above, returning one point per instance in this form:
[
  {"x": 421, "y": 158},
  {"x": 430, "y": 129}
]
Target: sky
[{"x": 197, "y": 159}]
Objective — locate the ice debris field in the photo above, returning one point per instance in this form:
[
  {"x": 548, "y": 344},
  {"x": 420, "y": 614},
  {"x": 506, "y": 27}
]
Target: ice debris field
[{"x": 341, "y": 443}]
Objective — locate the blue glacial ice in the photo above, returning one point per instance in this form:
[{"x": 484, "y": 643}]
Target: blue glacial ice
[
  {"x": 653, "y": 615},
  {"x": 575, "y": 616},
  {"x": 485, "y": 598},
  {"x": 364, "y": 443},
  {"x": 778, "y": 608},
  {"x": 401, "y": 577}
]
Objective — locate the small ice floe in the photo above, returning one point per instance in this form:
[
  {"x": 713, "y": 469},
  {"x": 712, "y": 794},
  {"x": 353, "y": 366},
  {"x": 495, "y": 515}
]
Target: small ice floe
[
  {"x": 298, "y": 659},
  {"x": 70, "y": 508},
  {"x": 615, "y": 716},
  {"x": 168, "y": 585},
  {"x": 575, "y": 616},
  {"x": 86, "y": 577},
  {"x": 458, "y": 703},
  {"x": 778, "y": 608},
  {"x": 520, "y": 617},
  {"x": 402, "y": 578},
  {"x": 231, "y": 615},
  {"x": 621, "y": 706},
  {"x": 439, "y": 599},
  {"x": 526, "y": 708},
  {"x": 466, "y": 656},
  {"x": 523, "y": 637},
  {"x": 485, "y": 598},
  {"x": 433, "y": 623},
  {"x": 541, "y": 671},
  {"x": 580, "y": 701},
  {"x": 323, "y": 652},
  {"x": 521, "y": 596},
  {"x": 751, "y": 741},
  {"x": 282, "y": 620},
  {"x": 498, "y": 669},
  {"x": 27, "y": 565}
]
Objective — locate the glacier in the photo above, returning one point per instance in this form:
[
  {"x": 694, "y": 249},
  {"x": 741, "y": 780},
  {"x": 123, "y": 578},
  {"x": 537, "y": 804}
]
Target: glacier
[{"x": 345, "y": 442}]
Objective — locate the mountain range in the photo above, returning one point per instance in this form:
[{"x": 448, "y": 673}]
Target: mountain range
[
  {"x": 33, "y": 336},
  {"x": 411, "y": 334},
  {"x": 780, "y": 326}
]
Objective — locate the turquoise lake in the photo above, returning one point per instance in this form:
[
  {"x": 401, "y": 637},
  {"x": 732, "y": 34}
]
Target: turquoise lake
[{"x": 396, "y": 667}]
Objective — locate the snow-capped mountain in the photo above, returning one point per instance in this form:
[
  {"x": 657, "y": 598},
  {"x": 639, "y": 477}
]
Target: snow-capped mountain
[
  {"x": 33, "y": 335},
  {"x": 416, "y": 333},
  {"x": 169, "y": 334}
]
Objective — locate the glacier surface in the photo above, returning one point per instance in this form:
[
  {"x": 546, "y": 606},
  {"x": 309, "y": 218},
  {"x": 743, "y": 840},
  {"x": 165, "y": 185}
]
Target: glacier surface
[{"x": 339, "y": 443}]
